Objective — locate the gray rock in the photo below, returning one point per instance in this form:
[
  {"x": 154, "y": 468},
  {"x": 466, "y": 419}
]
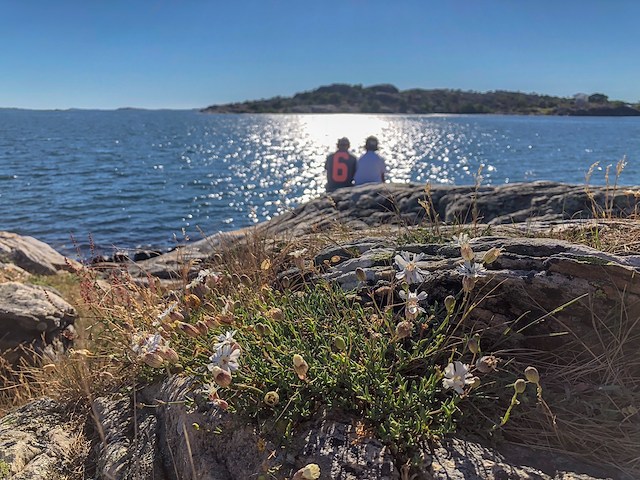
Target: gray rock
[
  {"x": 404, "y": 204},
  {"x": 457, "y": 459},
  {"x": 530, "y": 271},
  {"x": 519, "y": 207},
  {"x": 30, "y": 314},
  {"x": 32, "y": 255},
  {"x": 39, "y": 441},
  {"x": 169, "y": 437}
]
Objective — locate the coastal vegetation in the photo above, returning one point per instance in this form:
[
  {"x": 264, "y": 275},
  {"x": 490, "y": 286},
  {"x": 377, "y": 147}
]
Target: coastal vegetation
[
  {"x": 344, "y": 98},
  {"x": 409, "y": 345}
]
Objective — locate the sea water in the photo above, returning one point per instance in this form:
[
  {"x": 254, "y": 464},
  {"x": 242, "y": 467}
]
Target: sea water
[{"x": 131, "y": 179}]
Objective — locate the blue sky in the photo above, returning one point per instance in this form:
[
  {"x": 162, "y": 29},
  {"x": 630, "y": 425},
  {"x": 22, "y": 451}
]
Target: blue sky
[{"x": 194, "y": 53}]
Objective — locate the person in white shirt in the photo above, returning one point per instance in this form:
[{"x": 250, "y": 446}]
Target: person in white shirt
[{"x": 371, "y": 166}]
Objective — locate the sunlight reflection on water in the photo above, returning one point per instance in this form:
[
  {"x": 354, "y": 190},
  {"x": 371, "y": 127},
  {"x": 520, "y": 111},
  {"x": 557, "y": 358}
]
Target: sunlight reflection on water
[{"x": 140, "y": 177}]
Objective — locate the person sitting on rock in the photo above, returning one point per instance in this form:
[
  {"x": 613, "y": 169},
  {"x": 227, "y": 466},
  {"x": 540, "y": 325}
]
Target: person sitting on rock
[
  {"x": 371, "y": 166},
  {"x": 340, "y": 166}
]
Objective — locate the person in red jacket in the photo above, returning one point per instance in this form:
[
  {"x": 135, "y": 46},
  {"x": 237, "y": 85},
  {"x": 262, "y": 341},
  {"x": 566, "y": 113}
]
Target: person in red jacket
[{"x": 340, "y": 166}]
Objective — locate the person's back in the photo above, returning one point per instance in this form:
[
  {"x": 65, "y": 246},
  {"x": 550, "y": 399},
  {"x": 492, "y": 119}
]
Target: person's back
[
  {"x": 340, "y": 167},
  {"x": 371, "y": 166}
]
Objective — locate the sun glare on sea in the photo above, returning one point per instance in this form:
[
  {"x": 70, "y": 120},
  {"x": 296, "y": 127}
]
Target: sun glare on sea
[{"x": 325, "y": 130}]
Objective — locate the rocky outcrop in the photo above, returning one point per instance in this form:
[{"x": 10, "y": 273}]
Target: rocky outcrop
[
  {"x": 32, "y": 316},
  {"x": 411, "y": 204},
  {"x": 40, "y": 441},
  {"x": 521, "y": 207},
  {"x": 32, "y": 255},
  {"x": 168, "y": 438},
  {"x": 532, "y": 275}
]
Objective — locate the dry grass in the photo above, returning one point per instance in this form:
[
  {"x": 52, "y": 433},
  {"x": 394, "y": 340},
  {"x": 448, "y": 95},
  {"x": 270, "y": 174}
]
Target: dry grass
[{"x": 592, "y": 386}]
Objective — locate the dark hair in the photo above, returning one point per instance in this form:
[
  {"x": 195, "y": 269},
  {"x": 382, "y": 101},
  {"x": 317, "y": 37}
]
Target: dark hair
[{"x": 371, "y": 143}]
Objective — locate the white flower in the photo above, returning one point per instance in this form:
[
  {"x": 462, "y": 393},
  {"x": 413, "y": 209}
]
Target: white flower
[
  {"x": 165, "y": 313},
  {"x": 456, "y": 376},
  {"x": 210, "y": 390},
  {"x": 410, "y": 272},
  {"x": 471, "y": 269},
  {"x": 225, "y": 339},
  {"x": 298, "y": 258},
  {"x": 203, "y": 275},
  {"x": 298, "y": 253},
  {"x": 461, "y": 239},
  {"x": 226, "y": 358},
  {"x": 150, "y": 344},
  {"x": 412, "y": 303}
]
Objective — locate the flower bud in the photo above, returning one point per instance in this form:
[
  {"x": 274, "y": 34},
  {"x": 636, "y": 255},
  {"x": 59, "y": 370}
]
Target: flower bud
[
  {"x": 49, "y": 368},
  {"x": 154, "y": 360},
  {"x": 468, "y": 283},
  {"x": 339, "y": 344},
  {"x": 192, "y": 301},
  {"x": 474, "y": 344},
  {"x": 226, "y": 318},
  {"x": 271, "y": 398},
  {"x": 475, "y": 382},
  {"x": 300, "y": 366},
  {"x": 221, "y": 376},
  {"x": 520, "y": 386},
  {"x": 403, "y": 329},
  {"x": 361, "y": 275},
  {"x": 310, "y": 472},
  {"x": 532, "y": 374},
  {"x": 189, "y": 330},
  {"x": 466, "y": 252},
  {"x": 168, "y": 354},
  {"x": 210, "y": 321},
  {"x": 220, "y": 403},
  {"x": 491, "y": 255},
  {"x": 450, "y": 303},
  {"x": 202, "y": 326}
]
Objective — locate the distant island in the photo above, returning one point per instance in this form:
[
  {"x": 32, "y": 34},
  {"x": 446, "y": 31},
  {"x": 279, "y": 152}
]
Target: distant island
[{"x": 344, "y": 98}]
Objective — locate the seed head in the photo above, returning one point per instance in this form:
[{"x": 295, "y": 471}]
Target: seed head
[
  {"x": 474, "y": 344},
  {"x": 487, "y": 363},
  {"x": 300, "y": 366},
  {"x": 403, "y": 329},
  {"x": 339, "y": 344},
  {"x": 466, "y": 252},
  {"x": 532, "y": 374},
  {"x": 276, "y": 314},
  {"x": 271, "y": 398},
  {"x": 468, "y": 283},
  {"x": 154, "y": 360},
  {"x": 491, "y": 255},
  {"x": 450, "y": 303},
  {"x": 520, "y": 386}
]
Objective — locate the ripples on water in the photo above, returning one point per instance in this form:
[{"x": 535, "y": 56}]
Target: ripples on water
[{"x": 134, "y": 178}]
